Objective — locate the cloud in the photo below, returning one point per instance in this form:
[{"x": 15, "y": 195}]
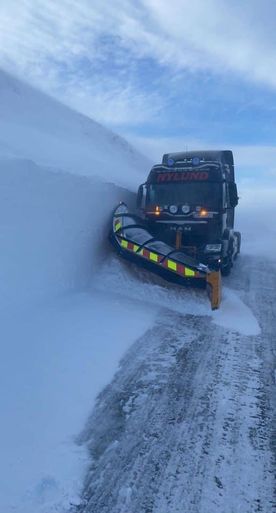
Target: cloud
[
  {"x": 92, "y": 54},
  {"x": 76, "y": 52},
  {"x": 112, "y": 104},
  {"x": 255, "y": 165},
  {"x": 257, "y": 156},
  {"x": 219, "y": 35},
  {"x": 154, "y": 147}
]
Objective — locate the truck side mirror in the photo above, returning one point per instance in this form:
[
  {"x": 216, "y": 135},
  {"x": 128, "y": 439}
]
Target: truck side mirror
[
  {"x": 140, "y": 196},
  {"x": 233, "y": 194}
]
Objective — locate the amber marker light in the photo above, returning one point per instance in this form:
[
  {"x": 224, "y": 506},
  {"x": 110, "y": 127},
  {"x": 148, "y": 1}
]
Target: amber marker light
[
  {"x": 157, "y": 211},
  {"x": 203, "y": 212}
]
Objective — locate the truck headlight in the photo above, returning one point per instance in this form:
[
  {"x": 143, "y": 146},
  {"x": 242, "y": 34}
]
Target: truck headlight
[
  {"x": 185, "y": 209},
  {"x": 173, "y": 209},
  {"x": 212, "y": 248}
]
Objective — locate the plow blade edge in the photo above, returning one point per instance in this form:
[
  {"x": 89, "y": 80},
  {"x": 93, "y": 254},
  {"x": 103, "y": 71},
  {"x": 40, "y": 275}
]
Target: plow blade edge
[{"x": 132, "y": 240}]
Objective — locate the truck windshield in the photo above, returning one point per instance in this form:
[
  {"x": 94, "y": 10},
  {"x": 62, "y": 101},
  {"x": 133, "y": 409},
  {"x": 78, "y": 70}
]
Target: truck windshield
[{"x": 206, "y": 194}]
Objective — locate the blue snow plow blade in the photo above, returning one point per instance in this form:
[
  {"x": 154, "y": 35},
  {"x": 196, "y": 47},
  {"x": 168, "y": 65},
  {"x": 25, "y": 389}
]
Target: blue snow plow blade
[{"x": 132, "y": 240}]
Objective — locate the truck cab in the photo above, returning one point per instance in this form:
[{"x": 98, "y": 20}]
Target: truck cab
[{"x": 189, "y": 201}]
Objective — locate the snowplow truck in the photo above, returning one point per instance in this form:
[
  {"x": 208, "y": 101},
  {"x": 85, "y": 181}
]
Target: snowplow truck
[
  {"x": 183, "y": 229},
  {"x": 189, "y": 202}
]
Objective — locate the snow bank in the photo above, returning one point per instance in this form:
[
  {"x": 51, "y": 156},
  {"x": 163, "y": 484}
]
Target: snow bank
[
  {"x": 58, "y": 345},
  {"x": 143, "y": 286},
  {"x": 54, "y": 361},
  {"x": 57, "y": 169},
  {"x": 36, "y": 127},
  {"x": 53, "y": 230},
  {"x": 235, "y": 315},
  {"x": 55, "y": 354},
  {"x": 255, "y": 219}
]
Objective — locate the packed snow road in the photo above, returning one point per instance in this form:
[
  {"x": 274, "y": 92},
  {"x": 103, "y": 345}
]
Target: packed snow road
[{"x": 187, "y": 426}]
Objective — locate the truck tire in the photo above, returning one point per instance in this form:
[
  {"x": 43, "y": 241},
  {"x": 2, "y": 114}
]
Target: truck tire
[
  {"x": 227, "y": 263},
  {"x": 238, "y": 235}
]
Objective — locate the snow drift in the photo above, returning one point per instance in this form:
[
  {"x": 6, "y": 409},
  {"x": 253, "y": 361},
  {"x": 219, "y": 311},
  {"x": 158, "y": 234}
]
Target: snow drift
[
  {"x": 54, "y": 223},
  {"x": 53, "y": 230},
  {"x": 36, "y": 127},
  {"x": 58, "y": 344}
]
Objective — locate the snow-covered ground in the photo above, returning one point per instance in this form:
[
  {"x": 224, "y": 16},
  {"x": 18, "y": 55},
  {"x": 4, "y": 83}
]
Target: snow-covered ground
[
  {"x": 188, "y": 423},
  {"x": 154, "y": 291},
  {"x": 55, "y": 359},
  {"x": 68, "y": 308}
]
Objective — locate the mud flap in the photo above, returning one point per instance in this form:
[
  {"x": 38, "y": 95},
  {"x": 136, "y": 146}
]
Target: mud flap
[{"x": 213, "y": 280}]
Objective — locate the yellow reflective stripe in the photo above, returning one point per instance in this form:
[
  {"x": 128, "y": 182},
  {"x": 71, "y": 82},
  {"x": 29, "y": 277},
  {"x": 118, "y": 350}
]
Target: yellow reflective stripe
[
  {"x": 124, "y": 244},
  {"x": 172, "y": 265},
  {"x": 189, "y": 272},
  {"x": 141, "y": 252},
  {"x": 154, "y": 257},
  {"x": 118, "y": 226}
]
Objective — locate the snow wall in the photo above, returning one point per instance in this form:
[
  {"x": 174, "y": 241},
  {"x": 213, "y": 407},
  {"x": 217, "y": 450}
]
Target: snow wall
[
  {"x": 61, "y": 175},
  {"x": 54, "y": 229}
]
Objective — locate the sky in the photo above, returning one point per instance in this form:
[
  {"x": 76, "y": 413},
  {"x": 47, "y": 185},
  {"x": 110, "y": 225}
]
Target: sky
[{"x": 168, "y": 76}]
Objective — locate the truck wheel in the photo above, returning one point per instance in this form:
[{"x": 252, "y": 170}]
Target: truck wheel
[
  {"x": 238, "y": 235},
  {"x": 227, "y": 263},
  {"x": 226, "y": 267}
]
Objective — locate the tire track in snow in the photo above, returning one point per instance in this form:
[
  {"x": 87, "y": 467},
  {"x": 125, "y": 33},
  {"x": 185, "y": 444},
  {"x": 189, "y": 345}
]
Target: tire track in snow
[{"x": 187, "y": 423}]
